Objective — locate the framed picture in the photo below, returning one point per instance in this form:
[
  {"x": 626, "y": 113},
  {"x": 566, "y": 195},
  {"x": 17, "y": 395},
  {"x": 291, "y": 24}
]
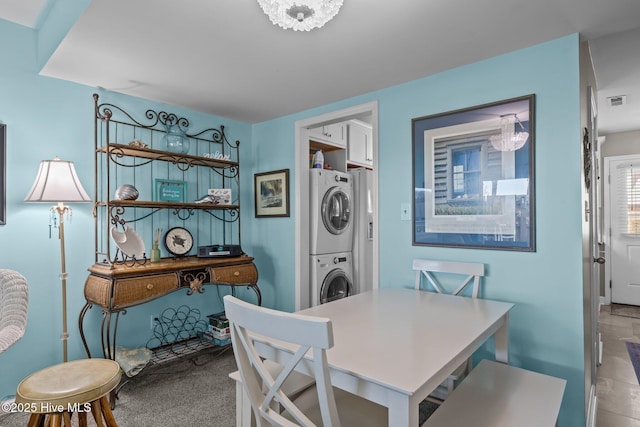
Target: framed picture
[
  {"x": 473, "y": 177},
  {"x": 3, "y": 174},
  {"x": 272, "y": 193},
  {"x": 166, "y": 190}
]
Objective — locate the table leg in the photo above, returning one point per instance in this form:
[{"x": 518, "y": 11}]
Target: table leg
[
  {"x": 403, "y": 410},
  {"x": 501, "y": 338},
  {"x": 256, "y": 289},
  {"x": 86, "y": 307}
]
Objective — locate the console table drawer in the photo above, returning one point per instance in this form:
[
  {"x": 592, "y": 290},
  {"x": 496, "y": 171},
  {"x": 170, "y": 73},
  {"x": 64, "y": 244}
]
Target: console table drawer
[
  {"x": 134, "y": 291},
  {"x": 235, "y": 274}
]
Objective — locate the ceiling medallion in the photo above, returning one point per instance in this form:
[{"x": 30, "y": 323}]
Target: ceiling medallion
[{"x": 300, "y": 15}]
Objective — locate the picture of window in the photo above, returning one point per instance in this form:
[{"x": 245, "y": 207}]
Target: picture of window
[{"x": 473, "y": 177}]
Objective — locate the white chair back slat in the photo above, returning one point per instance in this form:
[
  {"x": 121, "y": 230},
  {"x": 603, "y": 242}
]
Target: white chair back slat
[
  {"x": 426, "y": 268},
  {"x": 250, "y": 324}
]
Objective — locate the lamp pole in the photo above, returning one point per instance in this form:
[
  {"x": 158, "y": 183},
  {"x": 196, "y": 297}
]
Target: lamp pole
[
  {"x": 58, "y": 182},
  {"x": 62, "y": 210}
]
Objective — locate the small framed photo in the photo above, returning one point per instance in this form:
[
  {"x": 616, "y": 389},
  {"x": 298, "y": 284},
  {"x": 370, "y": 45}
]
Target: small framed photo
[
  {"x": 221, "y": 196},
  {"x": 166, "y": 190},
  {"x": 272, "y": 193}
]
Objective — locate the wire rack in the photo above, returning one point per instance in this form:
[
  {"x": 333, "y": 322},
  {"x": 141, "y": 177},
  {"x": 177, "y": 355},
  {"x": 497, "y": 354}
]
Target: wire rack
[{"x": 176, "y": 333}]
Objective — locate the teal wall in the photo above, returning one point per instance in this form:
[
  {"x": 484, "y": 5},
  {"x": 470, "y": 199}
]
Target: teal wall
[
  {"x": 48, "y": 117},
  {"x": 546, "y": 332}
]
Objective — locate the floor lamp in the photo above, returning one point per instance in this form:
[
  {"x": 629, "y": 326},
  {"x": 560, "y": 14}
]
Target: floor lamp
[{"x": 57, "y": 182}]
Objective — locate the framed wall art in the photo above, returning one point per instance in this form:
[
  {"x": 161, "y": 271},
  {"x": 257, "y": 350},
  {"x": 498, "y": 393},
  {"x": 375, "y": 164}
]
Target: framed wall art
[
  {"x": 3, "y": 174},
  {"x": 473, "y": 177},
  {"x": 170, "y": 191},
  {"x": 272, "y": 193}
]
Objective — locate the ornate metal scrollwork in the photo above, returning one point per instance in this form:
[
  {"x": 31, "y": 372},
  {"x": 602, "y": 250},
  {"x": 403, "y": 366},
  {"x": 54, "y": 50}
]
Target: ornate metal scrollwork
[
  {"x": 116, "y": 155},
  {"x": 586, "y": 159},
  {"x": 234, "y": 215},
  {"x": 115, "y": 215},
  {"x": 115, "y": 131},
  {"x": 195, "y": 280}
]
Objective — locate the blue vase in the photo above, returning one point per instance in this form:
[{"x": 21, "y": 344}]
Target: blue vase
[{"x": 176, "y": 140}]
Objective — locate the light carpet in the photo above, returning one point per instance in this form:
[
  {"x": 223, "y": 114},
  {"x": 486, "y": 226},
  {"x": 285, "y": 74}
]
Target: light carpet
[{"x": 185, "y": 392}]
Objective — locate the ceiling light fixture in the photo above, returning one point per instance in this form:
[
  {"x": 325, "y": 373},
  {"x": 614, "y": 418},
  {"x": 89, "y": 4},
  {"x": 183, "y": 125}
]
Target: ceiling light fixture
[
  {"x": 301, "y": 15},
  {"x": 508, "y": 139}
]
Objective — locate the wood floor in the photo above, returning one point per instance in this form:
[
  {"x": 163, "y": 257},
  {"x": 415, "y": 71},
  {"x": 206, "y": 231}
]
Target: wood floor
[{"x": 617, "y": 386}]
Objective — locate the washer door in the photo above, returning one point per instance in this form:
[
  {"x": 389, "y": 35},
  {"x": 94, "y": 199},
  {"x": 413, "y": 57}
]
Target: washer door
[
  {"x": 336, "y": 285},
  {"x": 336, "y": 210}
]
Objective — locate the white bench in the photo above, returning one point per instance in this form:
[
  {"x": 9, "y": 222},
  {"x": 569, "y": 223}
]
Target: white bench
[{"x": 499, "y": 395}]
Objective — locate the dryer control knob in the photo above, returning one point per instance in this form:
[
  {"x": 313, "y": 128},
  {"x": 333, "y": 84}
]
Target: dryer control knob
[{"x": 336, "y": 260}]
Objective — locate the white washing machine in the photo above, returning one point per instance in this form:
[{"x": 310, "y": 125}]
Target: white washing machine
[
  {"x": 331, "y": 277},
  {"x": 331, "y": 219}
]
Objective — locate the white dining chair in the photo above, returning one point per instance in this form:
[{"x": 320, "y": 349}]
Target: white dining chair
[
  {"x": 295, "y": 384},
  {"x": 320, "y": 405},
  {"x": 427, "y": 272}
]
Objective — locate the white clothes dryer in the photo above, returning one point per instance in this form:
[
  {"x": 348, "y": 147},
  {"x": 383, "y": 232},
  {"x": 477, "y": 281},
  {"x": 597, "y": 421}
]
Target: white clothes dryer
[
  {"x": 331, "y": 218},
  {"x": 331, "y": 277}
]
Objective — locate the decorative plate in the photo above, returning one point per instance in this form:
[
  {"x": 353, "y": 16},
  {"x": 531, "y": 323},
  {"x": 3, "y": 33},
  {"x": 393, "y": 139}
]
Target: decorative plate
[{"x": 129, "y": 242}]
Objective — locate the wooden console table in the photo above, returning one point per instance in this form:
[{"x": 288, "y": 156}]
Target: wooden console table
[{"x": 116, "y": 287}]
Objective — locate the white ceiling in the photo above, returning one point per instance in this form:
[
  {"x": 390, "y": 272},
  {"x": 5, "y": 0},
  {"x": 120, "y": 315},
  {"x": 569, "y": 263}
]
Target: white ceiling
[
  {"x": 224, "y": 57},
  {"x": 23, "y": 12}
]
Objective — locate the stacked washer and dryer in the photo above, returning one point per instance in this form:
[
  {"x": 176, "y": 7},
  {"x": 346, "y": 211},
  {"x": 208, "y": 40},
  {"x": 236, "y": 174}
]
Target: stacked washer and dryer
[{"x": 331, "y": 237}]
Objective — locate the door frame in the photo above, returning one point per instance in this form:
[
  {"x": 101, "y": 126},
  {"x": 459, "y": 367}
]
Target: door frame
[
  {"x": 607, "y": 219},
  {"x": 301, "y": 188}
]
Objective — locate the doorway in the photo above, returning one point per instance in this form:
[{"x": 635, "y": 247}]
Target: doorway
[
  {"x": 622, "y": 222},
  {"x": 301, "y": 189}
]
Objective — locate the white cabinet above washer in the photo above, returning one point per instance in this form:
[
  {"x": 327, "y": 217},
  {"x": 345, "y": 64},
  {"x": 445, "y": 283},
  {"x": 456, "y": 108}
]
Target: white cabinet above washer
[
  {"x": 360, "y": 144},
  {"x": 334, "y": 134}
]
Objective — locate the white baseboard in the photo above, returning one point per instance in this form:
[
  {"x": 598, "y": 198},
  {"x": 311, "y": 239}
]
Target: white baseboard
[{"x": 593, "y": 408}]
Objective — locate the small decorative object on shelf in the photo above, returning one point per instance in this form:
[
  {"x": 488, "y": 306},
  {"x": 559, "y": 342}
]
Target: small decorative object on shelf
[
  {"x": 178, "y": 241},
  {"x": 126, "y": 192},
  {"x": 176, "y": 140},
  {"x": 217, "y": 155},
  {"x": 136, "y": 143},
  {"x": 222, "y": 195},
  {"x": 130, "y": 244},
  {"x": 155, "y": 251},
  {"x": 207, "y": 199}
]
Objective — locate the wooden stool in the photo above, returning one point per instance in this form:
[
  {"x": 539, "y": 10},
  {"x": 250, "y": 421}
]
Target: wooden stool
[{"x": 53, "y": 394}]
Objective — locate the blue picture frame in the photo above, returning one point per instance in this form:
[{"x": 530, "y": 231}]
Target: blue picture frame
[
  {"x": 172, "y": 191},
  {"x": 473, "y": 177}
]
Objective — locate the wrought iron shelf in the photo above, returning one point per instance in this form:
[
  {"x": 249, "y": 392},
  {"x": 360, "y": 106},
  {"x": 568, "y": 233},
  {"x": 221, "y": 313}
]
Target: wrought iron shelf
[
  {"x": 168, "y": 205},
  {"x": 121, "y": 150}
]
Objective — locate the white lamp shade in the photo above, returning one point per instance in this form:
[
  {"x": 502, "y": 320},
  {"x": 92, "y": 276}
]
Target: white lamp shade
[{"x": 57, "y": 181}]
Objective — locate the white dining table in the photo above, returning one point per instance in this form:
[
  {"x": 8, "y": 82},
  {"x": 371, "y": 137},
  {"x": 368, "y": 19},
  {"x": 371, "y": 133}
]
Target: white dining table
[{"x": 394, "y": 346}]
